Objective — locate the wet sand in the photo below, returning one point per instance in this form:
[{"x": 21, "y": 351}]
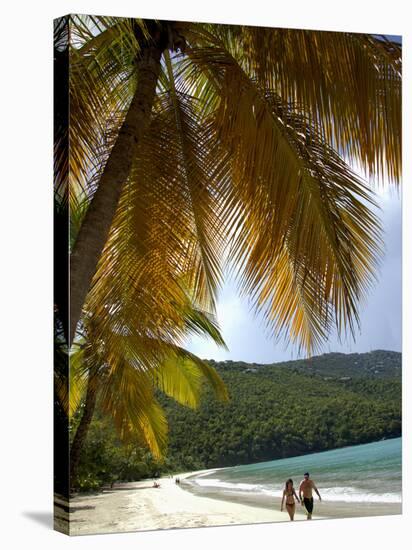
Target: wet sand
[{"x": 322, "y": 510}]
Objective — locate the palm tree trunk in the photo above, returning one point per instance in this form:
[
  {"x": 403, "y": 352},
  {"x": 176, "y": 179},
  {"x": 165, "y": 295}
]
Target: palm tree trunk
[
  {"x": 98, "y": 219},
  {"x": 83, "y": 427}
]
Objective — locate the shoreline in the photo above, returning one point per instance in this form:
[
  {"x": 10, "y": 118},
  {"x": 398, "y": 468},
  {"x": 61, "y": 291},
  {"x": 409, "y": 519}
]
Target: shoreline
[
  {"x": 322, "y": 510},
  {"x": 326, "y": 509},
  {"x": 138, "y": 506}
]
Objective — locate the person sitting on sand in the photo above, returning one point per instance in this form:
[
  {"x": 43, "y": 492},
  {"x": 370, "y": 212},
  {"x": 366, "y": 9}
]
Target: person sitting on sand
[
  {"x": 289, "y": 494},
  {"x": 306, "y": 486}
]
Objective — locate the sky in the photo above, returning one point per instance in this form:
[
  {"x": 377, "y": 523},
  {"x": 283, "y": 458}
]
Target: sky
[{"x": 381, "y": 314}]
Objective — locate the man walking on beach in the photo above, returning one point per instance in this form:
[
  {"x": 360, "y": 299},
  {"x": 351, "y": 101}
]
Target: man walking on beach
[{"x": 306, "y": 486}]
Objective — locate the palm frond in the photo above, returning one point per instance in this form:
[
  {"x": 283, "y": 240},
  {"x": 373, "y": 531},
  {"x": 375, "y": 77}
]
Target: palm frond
[
  {"x": 196, "y": 177},
  {"x": 153, "y": 429},
  {"x": 182, "y": 376},
  {"x": 129, "y": 370},
  {"x": 126, "y": 395},
  {"x": 77, "y": 381},
  {"x": 202, "y": 323},
  {"x": 348, "y": 84},
  {"x": 101, "y": 86},
  {"x": 298, "y": 216},
  {"x": 70, "y": 380},
  {"x": 247, "y": 144},
  {"x": 166, "y": 243},
  {"x": 61, "y": 109}
]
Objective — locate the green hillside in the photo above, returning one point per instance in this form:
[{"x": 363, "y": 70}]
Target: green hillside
[
  {"x": 376, "y": 364},
  {"x": 290, "y": 408},
  {"x": 274, "y": 411}
]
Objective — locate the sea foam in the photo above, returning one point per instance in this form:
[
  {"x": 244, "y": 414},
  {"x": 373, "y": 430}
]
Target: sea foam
[{"x": 335, "y": 494}]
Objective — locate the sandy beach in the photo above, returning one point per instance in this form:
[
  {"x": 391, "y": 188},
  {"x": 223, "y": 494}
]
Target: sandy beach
[{"x": 138, "y": 506}]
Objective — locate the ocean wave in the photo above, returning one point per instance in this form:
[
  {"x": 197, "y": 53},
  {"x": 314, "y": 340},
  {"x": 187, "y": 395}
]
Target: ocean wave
[
  {"x": 329, "y": 494},
  {"x": 206, "y": 473},
  {"x": 351, "y": 494},
  {"x": 212, "y": 482}
]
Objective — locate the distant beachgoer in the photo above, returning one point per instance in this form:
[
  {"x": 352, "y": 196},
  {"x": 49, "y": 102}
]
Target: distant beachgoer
[
  {"x": 306, "y": 486},
  {"x": 289, "y": 494}
]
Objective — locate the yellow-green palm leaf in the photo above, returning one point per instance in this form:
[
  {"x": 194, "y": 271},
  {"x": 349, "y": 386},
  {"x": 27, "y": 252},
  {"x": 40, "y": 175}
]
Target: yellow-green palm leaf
[{"x": 246, "y": 157}]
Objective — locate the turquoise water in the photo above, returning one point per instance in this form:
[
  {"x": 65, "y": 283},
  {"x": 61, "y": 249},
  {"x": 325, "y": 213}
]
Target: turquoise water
[{"x": 363, "y": 473}]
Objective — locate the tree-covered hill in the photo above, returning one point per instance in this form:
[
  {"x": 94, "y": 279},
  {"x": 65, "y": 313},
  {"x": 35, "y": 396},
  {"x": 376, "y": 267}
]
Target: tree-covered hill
[
  {"x": 275, "y": 411},
  {"x": 375, "y": 364},
  {"x": 290, "y": 408}
]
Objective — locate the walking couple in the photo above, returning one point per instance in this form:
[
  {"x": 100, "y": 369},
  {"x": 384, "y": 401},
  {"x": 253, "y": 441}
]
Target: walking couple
[{"x": 305, "y": 488}]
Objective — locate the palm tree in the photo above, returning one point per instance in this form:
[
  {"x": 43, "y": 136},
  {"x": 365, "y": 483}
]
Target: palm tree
[
  {"x": 120, "y": 362},
  {"x": 239, "y": 143},
  {"x": 119, "y": 368},
  {"x": 121, "y": 380},
  {"x": 198, "y": 146}
]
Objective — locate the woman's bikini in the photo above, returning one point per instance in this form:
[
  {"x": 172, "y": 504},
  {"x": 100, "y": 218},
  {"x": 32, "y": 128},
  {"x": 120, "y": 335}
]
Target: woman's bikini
[{"x": 289, "y": 495}]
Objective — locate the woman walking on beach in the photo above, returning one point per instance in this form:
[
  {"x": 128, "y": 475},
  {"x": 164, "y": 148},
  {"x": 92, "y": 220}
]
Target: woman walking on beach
[{"x": 289, "y": 494}]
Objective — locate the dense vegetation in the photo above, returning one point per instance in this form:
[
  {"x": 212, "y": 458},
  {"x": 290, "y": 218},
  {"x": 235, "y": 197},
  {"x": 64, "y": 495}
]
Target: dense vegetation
[
  {"x": 274, "y": 411},
  {"x": 105, "y": 459}
]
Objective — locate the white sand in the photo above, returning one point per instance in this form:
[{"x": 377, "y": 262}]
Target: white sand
[{"x": 138, "y": 506}]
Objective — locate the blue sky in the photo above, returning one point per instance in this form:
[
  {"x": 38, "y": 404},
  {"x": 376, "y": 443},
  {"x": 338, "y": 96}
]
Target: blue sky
[{"x": 381, "y": 315}]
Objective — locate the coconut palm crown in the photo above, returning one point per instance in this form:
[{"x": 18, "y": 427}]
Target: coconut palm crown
[
  {"x": 195, "y": 146},
  {"x": 184, "y": 150}
]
